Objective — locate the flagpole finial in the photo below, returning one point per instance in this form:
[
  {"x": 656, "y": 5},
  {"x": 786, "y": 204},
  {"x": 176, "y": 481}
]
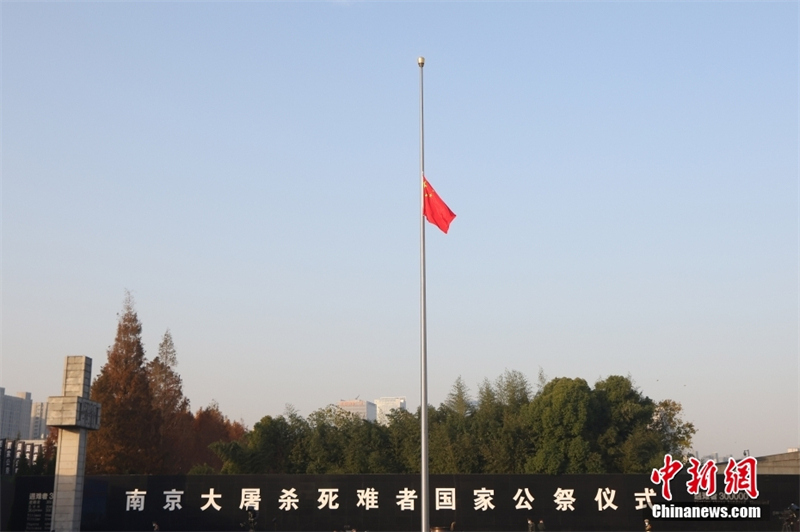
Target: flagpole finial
[{"x": 421, "y": 61}]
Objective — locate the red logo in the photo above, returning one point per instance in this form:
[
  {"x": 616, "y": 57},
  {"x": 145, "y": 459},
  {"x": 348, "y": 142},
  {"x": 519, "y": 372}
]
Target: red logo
[
  {"x": 741, "y": 476},
  {"x": 704, "y": 478},
  {"x": 665, "y": 474}
]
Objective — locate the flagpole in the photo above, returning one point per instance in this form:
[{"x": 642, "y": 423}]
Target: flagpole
[{"x": 423, "y": 357}]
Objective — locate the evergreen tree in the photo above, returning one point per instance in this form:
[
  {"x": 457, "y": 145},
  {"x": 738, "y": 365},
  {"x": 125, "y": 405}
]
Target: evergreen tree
[
  {"x": 459, "y": 400},
  {"x": 487, "y": 423},
  {"x": 128, "y": 439},
  {"x": 513, "y": 390},
  {"x": 404, "y": 439},
  {"x": 453, "y": 447}
]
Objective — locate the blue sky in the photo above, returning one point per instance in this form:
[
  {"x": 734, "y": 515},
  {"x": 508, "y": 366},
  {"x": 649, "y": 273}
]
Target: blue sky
[{"x": 625, "y": 177}]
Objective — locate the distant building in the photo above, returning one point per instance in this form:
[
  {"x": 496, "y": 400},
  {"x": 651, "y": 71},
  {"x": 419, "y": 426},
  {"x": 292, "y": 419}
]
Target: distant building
[
  {"x": 386, "y": 404},
  {"x": 363, "y": 409},
  {"x": 15, "y": 415},
  {"x": 38, "y": 421}
]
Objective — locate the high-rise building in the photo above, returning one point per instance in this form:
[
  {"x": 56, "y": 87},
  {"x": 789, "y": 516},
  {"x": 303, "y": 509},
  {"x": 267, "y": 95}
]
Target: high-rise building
[
  {"x": 386, "y": 404},
  {"x": 363, "y": 409},
  {"x": 15, "y": 415},
  {"x": 38, "y": 421}
]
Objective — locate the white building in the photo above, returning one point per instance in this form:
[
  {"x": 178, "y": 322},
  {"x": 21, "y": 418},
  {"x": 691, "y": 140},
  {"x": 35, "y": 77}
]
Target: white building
[
  {"x": 38, "y": 421},
  {"x": 386, "y": 404},
  {"x": 363, "y": 409},
  {"x": 15, "y": 415}
]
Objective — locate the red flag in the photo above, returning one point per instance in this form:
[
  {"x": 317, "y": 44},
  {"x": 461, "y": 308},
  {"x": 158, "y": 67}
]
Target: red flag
[{"x": 435, "y": 210}]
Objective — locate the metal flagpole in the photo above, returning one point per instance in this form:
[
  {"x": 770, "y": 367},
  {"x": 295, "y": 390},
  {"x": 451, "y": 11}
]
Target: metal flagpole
[{"x": 423, "y": 357}]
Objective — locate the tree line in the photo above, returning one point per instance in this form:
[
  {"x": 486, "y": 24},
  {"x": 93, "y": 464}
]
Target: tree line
[
  {"x": 564, "y": 426},
  {"x": 555, "y": 426}
]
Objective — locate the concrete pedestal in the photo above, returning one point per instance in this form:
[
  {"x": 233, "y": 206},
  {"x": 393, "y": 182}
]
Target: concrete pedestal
[
  {"x": 68, "y": 490},
  {"x": 74, "y": 414}
]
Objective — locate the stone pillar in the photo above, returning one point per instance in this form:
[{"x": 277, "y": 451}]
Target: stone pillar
[{"x": 73, "y": 413}]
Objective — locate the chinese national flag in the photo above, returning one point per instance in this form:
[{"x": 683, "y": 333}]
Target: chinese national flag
[{"x": 435, "y": 210}]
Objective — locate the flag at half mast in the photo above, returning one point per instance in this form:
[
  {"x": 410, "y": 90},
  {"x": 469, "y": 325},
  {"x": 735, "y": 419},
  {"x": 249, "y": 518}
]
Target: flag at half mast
[{"x": 435, "y": 210}]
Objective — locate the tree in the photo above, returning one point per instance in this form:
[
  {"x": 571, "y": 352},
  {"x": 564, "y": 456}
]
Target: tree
[
  {"x": 327, "y": 440},
  {"x": 453, "y": 447},
  {"x": 497, "y": 429},
  {"x": 366, "y": 448},
  {"x": 299, "y": 430},
  {"x": 48, "y": 458},
  {"x": 166, "y": 385},
  {"x": 635, "y": 433},
  {"x": 488, "y": 412},
  {"x": 566, "y": 427},
  {"x": 404, "y": 440},
  {"x": 459, "y": 400},
  {"x": 267, "y": 449},
  {"x": 675, "y": 434},
  {"x": 562, "y": 417},
  {"x": 128, "y": 439},
  {"x": 166, "y": 390},
  {"x": 512, "y": 390},
  {"x": 623, "y": 415},
  {"x": 209, "y": 425}
]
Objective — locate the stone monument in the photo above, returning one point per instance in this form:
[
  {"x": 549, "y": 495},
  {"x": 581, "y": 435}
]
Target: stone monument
[{"x": 73, "y": 413}]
